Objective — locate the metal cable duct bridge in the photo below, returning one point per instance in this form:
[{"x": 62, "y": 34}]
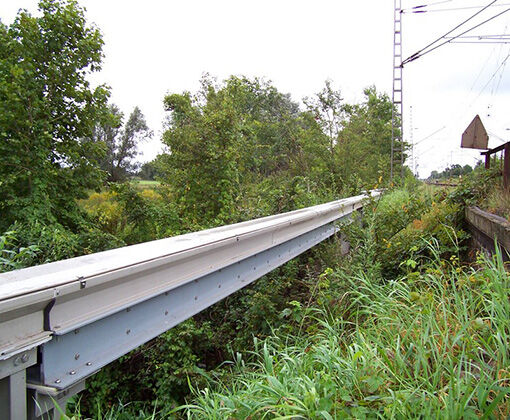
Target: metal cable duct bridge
[{"x": 61, "y": 322}]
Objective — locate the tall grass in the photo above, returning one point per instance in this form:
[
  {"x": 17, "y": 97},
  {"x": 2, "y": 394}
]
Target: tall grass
[
  {"x": 498, "y": 202},
  {"x": 434, "y": 346}
]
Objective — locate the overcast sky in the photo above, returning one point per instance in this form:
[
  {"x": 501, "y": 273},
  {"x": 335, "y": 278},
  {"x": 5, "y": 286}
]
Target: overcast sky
[{"x": 156, "y": 47}]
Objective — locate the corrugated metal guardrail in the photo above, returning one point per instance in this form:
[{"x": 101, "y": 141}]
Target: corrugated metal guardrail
[{"x": 84, "y": 312}]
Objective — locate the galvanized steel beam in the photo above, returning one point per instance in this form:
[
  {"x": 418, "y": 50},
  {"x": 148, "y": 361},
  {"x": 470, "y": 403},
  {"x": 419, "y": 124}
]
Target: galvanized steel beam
[
  {"x": 77, "y": 354},
  {"x": 59, "y": 297}
]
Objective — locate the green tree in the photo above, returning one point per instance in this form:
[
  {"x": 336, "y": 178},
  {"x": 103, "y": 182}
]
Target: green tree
[
  {"x": 46, "y": 108},
  {"x": 201, "y": 164},
  {"x": 148, "y": 171},
  {"x": 233, "y": 143},
  {"x": 363, "y": 149},
  {"x": 466, "y": 169},
  {"x": 329, "y": 111},
  {"x": 453, "y": 170},
  {"x": 121, "y": 142}
]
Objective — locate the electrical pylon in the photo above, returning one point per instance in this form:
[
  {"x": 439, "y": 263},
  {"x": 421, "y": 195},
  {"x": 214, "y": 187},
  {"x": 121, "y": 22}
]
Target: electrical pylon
[{"x": 397, "y": 96}]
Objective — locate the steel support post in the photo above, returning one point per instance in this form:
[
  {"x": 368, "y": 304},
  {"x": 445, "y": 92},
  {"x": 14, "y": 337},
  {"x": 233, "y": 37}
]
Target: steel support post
[
  {"x": 397, "y": 95},
  {"x": 506, "y": 167},
  {"x": 13, "y": 401}
]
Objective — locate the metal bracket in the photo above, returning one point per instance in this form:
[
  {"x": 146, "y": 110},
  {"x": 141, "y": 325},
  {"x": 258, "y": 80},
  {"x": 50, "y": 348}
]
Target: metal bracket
[
  {"x": 49, "y": 400},
  {"x": 18, "y": 363}
]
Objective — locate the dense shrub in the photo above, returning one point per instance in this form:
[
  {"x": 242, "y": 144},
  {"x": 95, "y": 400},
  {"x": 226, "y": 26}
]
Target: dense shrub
[
  {"x": 133, "y": 215},
  {"x": 55, "y": 242},
  {"x": 441, "y": 224},
  {"x": 13, "y": 256}
]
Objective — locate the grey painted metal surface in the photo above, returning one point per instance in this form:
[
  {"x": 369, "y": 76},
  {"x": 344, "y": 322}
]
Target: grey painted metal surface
[
  {"x": 18, "y": 362},
  {"x": 77, "y": 354},
  {"x": 13, "y": 390},
  {"x": 59, "y": 297}
]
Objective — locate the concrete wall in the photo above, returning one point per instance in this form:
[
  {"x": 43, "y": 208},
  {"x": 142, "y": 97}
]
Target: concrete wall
[{"x": 486, "y": 228}]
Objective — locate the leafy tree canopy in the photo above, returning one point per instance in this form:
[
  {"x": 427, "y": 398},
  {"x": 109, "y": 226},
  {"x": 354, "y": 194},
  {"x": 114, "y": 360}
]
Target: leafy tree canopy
[
  {"x": 149, "y": 171},
  {"x": 121, "y": 142},
  {"x": 227, "y": 139},
  {"x": 450, "y": 171},
  {"x": 234, "y": 145},
  {"x": 363, "y": 149},
  {"x": 46, "y": 107}
]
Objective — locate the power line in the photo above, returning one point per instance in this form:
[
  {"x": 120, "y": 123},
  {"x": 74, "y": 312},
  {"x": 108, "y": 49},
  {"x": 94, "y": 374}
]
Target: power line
[
  {"x": 495, "y": 135},
  {"x": 502, "y": 71},
  {"x": 453, "y": 9},
  {"x": 498, "y": 36},
  {"x": 427, "y": 5},
  {"x": 430, "y": 135},
  {"x": 430, "y": 148},
  {"x": 455, "y": 116},
  {"x": 439, "y": 2},
  {"x": 421, "y": 52},
  {"x": 482, "y": 42},
  {"x": 482, "y": 69},
  {"x": 481, "y": 39},
  {"x": 494, "y": 75},
  {"x": 465, "y": 32}
]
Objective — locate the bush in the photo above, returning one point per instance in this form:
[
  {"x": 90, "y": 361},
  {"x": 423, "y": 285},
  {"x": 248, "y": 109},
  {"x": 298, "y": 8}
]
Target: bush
[
  {"x": 440, "y": 225},
  {"x": 475, "y": 186},
  {"x": 132, "y": 215},
  {"x": 13, "y": 257}
]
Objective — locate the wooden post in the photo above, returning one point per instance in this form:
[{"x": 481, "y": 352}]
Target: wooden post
[
  {"x": 506, "y": 167},
  {"x": 487, "y": 161}
]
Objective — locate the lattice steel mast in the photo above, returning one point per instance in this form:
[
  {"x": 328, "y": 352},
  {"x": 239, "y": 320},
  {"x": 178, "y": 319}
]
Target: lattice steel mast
[{"x": 397, "y": 96}]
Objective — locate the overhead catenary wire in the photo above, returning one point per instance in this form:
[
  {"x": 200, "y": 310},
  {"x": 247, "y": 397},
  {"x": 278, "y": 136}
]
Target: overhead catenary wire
[
  {"x": 465, "y": 32},
  {"x": 466, "y": 108},
  {"x": 432, "y": 141},
  {"x": 481, "y": 39},
  {"x": 496, "y": 88},
  {"x": 424, "y": 50},
  {"x": 498, "y": 36},
  {"x": 427, "y": 150},
  {"x": 482, "y": 42},
  {"x": 417, "y": 9},
  {"x": 498, "y": 137},
  {"x": 439, "y": 2},
  {"x": 453, "y": 9},
  {"x": 467, "y": 97},
  {"x": 430, "y": 135},
  {"x": 503, "y": 63}
]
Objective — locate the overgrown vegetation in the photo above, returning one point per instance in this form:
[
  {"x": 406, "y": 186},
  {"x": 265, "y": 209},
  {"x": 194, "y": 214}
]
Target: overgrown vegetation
[
  {"x": 428, "y": 342},
  {"x": 427, "y": 339},
  {"x": 399, "y": 328},
  {"x": 484, "y": 188},
  {"x": 451, "y": 171},
  {"x": 430, "y": 345}
]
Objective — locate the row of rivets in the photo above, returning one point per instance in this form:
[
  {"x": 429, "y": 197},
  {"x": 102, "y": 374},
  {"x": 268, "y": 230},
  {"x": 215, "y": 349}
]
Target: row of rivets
[{"x": 73, "y": 372}]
